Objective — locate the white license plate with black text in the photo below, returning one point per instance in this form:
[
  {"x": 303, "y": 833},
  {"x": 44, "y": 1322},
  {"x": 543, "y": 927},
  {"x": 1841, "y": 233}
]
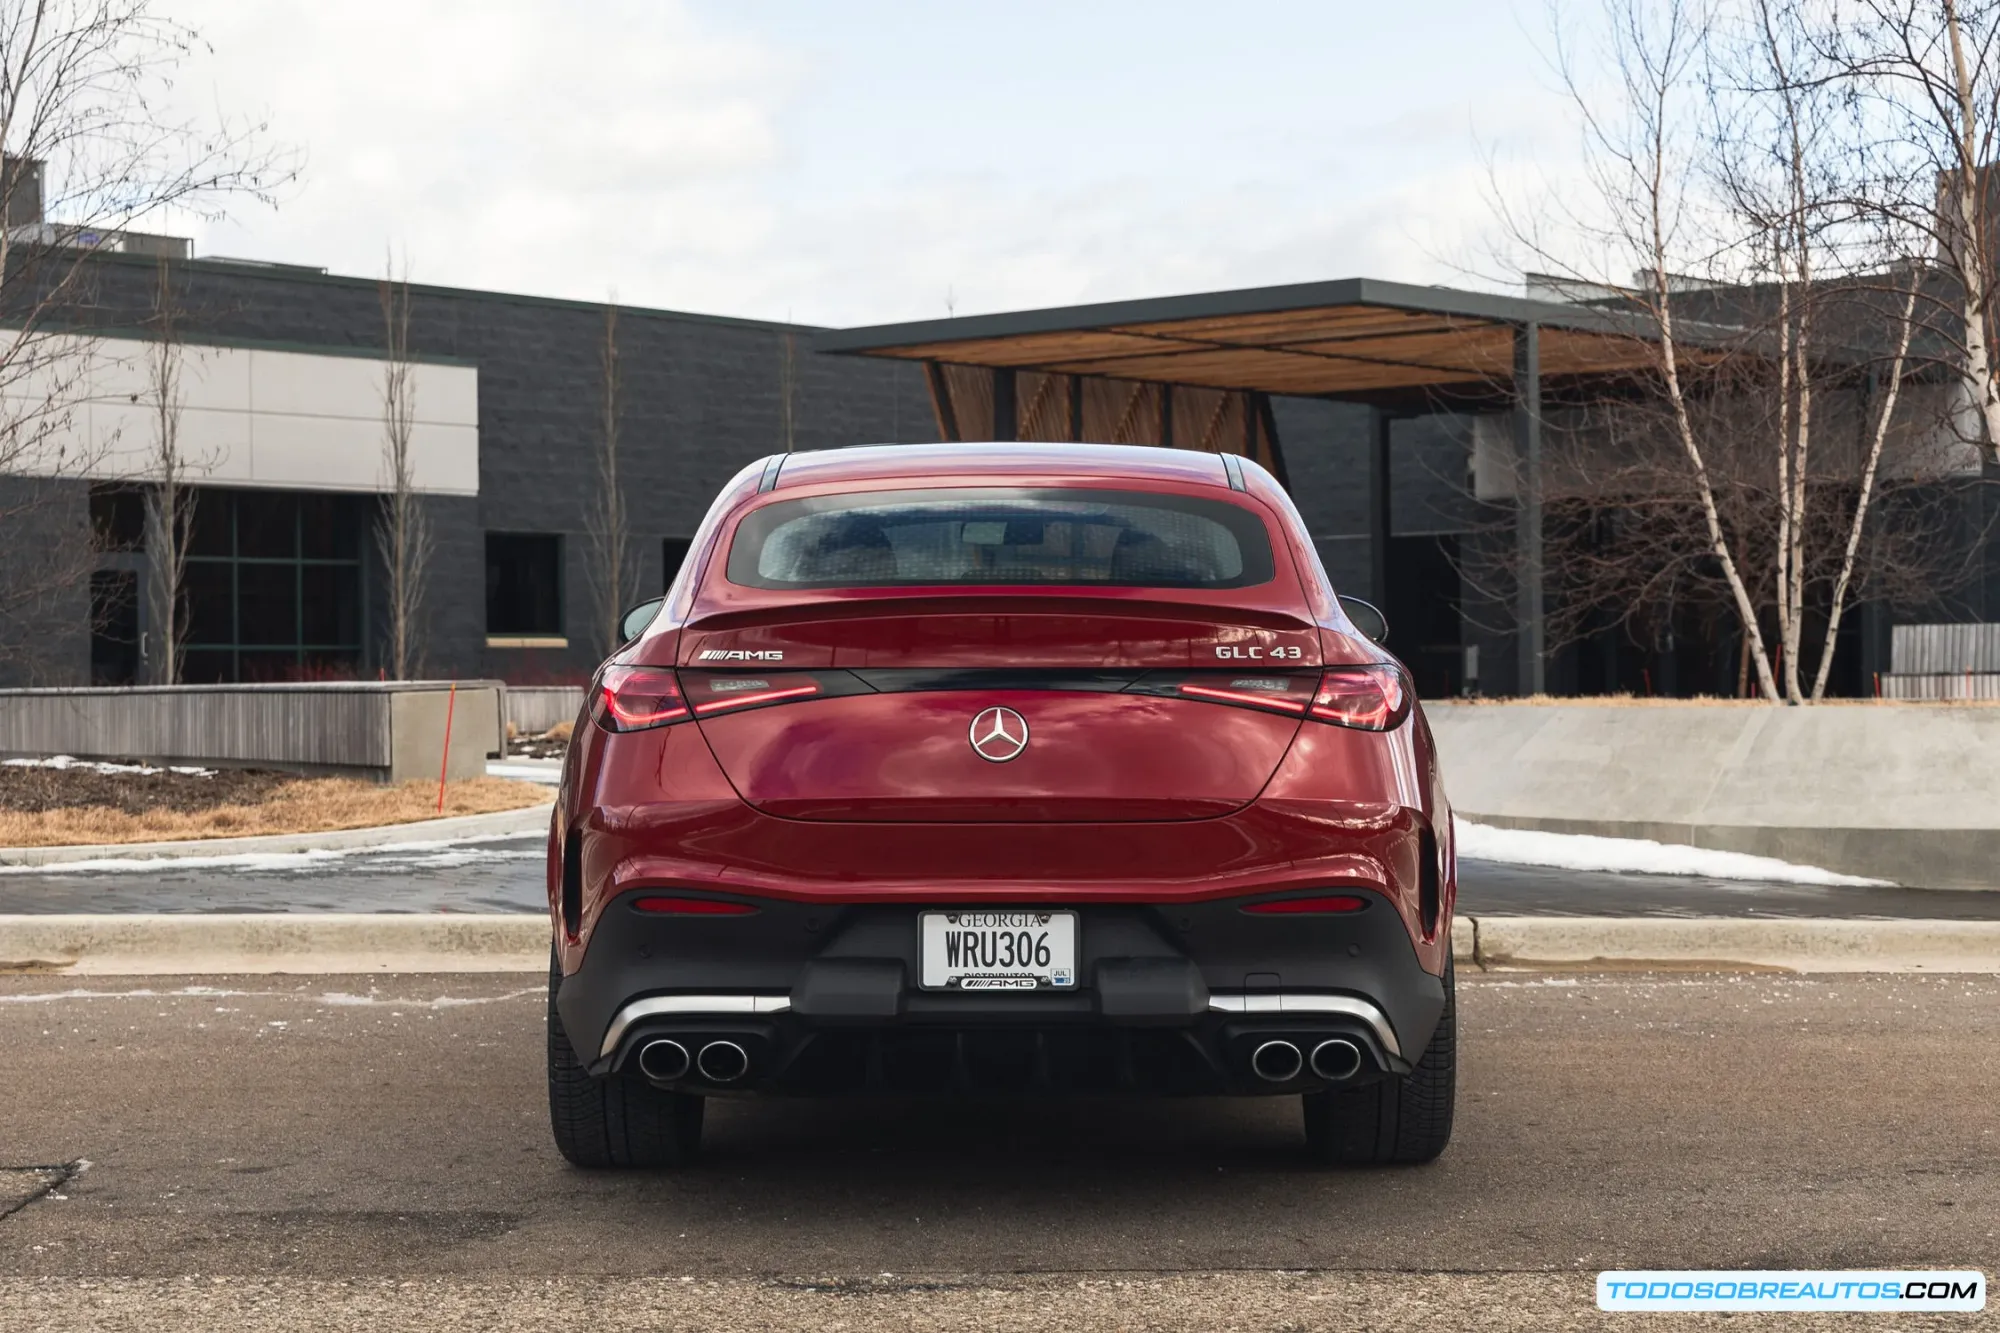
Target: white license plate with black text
[{"x": 999, "y": 950}]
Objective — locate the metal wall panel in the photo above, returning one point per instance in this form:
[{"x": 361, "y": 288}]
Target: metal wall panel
[
  {"x": 1927, "y": 649},
  {"x": 1942, "y": 685},
  {"x": 533, "y": 709},
  {"x": 340, "y": 725}
]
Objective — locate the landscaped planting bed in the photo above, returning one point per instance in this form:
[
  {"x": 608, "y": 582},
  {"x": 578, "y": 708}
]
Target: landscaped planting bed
[{"x": 62, "y": 801}]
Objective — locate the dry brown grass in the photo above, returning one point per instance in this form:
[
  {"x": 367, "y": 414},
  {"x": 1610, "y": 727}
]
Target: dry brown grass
[{"x": 307, "y": 805}]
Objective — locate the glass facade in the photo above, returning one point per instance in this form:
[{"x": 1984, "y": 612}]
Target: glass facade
[{"x": 274, "y": 586}]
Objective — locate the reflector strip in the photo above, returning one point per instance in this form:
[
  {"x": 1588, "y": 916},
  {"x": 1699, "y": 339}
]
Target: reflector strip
[
  {"x": 760, "y": 697},
  {"x": 1276, "y": 702},
  {"x": 1325, "y": 903},
  {"x": 693, "y": 907}
]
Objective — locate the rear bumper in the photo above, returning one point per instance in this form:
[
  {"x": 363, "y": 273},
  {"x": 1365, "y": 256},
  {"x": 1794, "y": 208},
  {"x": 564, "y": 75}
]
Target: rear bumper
[{"x": 1172, "y": 998}]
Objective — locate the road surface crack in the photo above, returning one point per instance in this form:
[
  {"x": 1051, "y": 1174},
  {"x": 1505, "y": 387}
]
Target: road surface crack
[{"x": 47, "y": 1180}]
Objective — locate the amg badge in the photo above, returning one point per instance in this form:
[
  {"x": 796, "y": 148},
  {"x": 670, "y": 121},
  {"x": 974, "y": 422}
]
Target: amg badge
[{"x": 740, "y": 655}]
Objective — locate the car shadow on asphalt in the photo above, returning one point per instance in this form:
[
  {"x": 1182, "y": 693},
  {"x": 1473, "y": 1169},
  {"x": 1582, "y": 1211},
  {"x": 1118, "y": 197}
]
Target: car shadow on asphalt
[{"x": 1058, "y": 1138}]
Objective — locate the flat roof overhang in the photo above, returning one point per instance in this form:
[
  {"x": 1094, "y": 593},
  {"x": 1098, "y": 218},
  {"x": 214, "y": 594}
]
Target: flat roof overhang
[{"x": 1388, "y": 343}]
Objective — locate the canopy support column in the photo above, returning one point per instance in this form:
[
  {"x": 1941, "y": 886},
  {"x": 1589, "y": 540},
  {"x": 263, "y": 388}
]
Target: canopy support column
[
  {"x": 1006, "y": 422},
  {"x": 1529, "y": 608},
  {"x": 1379, "y": 423}
]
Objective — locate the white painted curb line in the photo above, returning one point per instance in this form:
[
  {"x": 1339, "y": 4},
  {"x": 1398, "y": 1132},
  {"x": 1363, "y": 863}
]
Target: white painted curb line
[
  {"x": 1799, "y": 944},
  {"x": 528, "y": 819},
  {"x": 199, "y": 943},
  {"x": 171, "y": 944}
]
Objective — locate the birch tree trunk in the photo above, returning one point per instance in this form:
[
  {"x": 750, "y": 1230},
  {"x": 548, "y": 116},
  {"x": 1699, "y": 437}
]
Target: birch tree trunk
[
  {"x": 169, "y": 500},
  {"x": 1970, "y": 245},
  {"x": 402, "y": 531},
  {"x": 608, "y": 525}
]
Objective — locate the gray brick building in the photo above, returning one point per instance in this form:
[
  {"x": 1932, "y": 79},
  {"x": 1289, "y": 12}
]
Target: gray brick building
[{"x": 285, "y": 366}]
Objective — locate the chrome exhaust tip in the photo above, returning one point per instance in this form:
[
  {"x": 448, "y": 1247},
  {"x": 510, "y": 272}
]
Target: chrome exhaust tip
[
  {"x": 722, "y": 1062},
  {"x": 663, "y": 1060},
  {"x": 1335, "y": 1059},
  {"x": 1277, "y": 1062}
]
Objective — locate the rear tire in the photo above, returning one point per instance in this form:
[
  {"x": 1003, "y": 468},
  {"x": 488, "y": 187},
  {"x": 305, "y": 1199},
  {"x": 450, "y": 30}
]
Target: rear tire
[
  {"x": 615, "y": 1121},
  {"x": 1400, "y": 1120}
]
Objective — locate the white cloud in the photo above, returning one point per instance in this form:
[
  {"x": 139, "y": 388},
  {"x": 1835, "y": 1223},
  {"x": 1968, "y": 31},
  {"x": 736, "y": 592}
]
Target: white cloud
[{"x": 725, "y": 159}]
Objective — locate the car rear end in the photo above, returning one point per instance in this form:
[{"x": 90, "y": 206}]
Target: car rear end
[{"x": 1000, "y": 769}]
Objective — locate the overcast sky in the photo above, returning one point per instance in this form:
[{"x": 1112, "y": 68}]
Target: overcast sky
[{"x": 854, "y": 161}]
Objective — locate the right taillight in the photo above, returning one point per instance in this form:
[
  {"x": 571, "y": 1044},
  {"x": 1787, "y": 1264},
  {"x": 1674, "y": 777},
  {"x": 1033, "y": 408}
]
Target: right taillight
[
  {"x": 631, "y": 698},
  {"x": 1371, "y": 698}
]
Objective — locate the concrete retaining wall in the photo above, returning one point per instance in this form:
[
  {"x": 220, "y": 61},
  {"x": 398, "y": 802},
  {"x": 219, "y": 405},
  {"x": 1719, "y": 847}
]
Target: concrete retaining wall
[
  {"x": 1899, "y": 792},
  {"x": 390, "y": 731}
]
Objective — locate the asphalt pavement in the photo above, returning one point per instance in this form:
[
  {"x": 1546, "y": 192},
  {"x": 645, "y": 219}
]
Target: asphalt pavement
[
  {"x": 341, "y": 1136},
  {"x": 507, "y": 875}
]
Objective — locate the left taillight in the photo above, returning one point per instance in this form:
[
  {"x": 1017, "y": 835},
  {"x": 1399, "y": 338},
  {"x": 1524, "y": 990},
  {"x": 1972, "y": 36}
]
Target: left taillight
[
  {"x": 1370, "y": 698},
  {"x": 1374, "y": 697},
  {"x": 634, "y": 698}
]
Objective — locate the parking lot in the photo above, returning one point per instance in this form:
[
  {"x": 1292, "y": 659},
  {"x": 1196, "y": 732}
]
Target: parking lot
[{"x": 287, "y": 1132}]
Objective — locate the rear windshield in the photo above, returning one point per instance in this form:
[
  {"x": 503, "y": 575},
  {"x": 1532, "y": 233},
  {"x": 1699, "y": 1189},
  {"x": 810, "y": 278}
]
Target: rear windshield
[{"x": 992, "y": 535}]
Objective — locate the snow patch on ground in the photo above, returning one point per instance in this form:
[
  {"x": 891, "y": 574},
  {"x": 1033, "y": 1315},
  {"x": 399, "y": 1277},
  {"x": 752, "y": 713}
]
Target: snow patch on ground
[
  {"x": 432, "y": 853},
  {"x": 547, "y": 771},
  {"x": 1636, "y": 856},
  {"x": 95, "y": 766}
]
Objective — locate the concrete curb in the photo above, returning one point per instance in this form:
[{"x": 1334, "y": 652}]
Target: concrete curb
[
  {"x": 1796, "y": 944},
  {"x": 322, "y": 942},
  {"x": 527, "y": 819},
  {"x": 197, "y": 943}
]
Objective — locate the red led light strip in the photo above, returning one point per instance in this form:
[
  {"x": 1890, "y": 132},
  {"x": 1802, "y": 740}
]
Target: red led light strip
[
  {"x": 1277, "y": 702},
  {"x": 760, "y": 697}
]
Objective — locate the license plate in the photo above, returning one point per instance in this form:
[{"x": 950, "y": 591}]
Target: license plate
[{"x": 999, "y": 950}]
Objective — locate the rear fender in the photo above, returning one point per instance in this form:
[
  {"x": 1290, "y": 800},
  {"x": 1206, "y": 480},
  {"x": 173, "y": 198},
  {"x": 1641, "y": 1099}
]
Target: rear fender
[{"x": 1344, "y": 767}]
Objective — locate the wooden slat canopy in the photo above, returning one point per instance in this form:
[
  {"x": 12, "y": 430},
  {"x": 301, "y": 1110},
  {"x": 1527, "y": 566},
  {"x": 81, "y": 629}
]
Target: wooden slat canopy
[
  {"x": 1197, "y": 372},
  {"x": 1358, "y": 339}
]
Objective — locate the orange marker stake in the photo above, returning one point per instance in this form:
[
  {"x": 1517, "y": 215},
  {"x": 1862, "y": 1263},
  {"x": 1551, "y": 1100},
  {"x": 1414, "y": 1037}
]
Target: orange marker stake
[{"x": 444, "y": 764}]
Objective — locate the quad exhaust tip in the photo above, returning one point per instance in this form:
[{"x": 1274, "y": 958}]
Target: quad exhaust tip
[
  {"x": 723, "y": 1062},
  {"x": 1335, "y": 1059},
  {"x": 1277, "y": 1062},
  {"x": 663, "y": 1060}
]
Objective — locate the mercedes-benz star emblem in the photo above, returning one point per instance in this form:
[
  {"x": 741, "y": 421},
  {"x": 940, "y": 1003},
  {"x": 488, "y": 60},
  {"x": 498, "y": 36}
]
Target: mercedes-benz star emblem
[{"x": 999, "y": 734}]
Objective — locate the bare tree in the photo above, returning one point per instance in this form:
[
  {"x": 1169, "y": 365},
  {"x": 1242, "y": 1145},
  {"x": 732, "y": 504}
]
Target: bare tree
[
  {"x": 402, "y": 530},
  {"x": 170, "y": 500},
  {"x": 613, "y": 574},
  {"x": 1732, "y": 169},
  {"x": 91, "y": 152},
  {"x": 1927, "y": 73},
  {"x": 788, "y": 388}
]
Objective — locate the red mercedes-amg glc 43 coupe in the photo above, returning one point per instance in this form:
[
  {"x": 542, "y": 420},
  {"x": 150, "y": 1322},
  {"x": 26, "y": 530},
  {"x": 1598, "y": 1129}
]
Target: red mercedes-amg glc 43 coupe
[{"x": 1000, "y": 768}]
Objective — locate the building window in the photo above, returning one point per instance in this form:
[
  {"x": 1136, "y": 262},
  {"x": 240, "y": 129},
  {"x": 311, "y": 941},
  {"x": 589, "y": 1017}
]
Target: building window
[
  {"x": 673, "y": 554},
  {"x": 273, "y": 586},
  {"x": 114, "y": 627},
  {"x": 117, "y": 518},
  {"x": 524, "y": 590}
]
